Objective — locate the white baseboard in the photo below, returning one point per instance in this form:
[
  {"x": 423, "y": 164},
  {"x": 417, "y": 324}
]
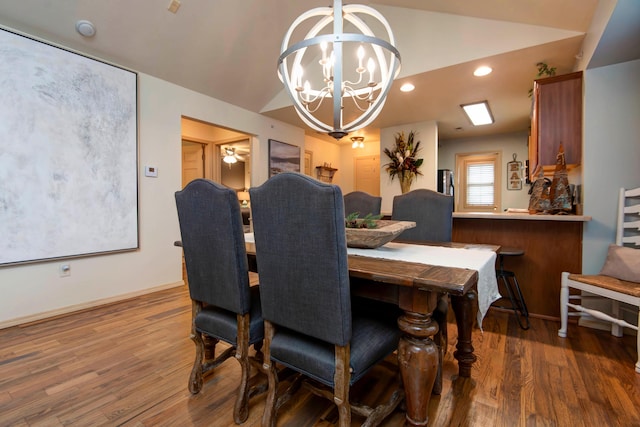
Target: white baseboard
[
  {"x": 90, "y": 304},
  {"x": 594, "y": 323}
]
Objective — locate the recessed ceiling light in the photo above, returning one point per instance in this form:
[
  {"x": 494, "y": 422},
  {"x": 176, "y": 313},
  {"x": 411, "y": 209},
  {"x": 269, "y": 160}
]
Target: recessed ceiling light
[
  {"x": 478, "y": 113},
  {"x": 407, "y": 87},
  {"x": 482, "y": 71},
  {"x": 85, "y": 28}
]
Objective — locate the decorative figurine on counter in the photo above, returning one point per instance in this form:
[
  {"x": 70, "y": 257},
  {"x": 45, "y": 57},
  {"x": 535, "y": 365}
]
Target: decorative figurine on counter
[
  {"x": 560, "y": 193},
  {"x": 539, "y": 201}
]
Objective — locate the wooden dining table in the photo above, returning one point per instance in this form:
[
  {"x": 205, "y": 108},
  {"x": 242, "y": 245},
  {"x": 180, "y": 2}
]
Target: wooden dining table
[{"x": 416, "y": 288}]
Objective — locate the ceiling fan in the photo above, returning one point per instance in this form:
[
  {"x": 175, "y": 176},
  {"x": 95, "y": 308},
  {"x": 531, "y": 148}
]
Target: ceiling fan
[{"x": 229, "y": 155}]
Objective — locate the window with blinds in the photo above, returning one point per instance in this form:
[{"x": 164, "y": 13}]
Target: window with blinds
[
  {"x": 479, "y": 179},
  {"x": 480, "y": 183}
]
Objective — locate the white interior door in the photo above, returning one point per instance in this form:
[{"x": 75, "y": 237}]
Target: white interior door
[
  {"x": 192, "y": 161},
  {"x": 367, "y": 174}
]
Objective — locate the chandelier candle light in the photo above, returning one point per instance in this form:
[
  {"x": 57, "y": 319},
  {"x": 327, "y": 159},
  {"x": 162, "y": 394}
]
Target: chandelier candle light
[{"x": 356, "y": 66}]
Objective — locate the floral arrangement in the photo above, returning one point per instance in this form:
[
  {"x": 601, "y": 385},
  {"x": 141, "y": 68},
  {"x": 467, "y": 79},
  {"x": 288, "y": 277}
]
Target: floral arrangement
[{"x": 403, "y": 157}]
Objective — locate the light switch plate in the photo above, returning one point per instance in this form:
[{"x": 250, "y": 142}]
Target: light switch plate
[
  {"x": 174, "y": 5},
  {"x": 151, "y": 171}
]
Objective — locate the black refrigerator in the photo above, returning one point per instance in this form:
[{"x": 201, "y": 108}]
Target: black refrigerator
[{"x": 445, "y": 181}]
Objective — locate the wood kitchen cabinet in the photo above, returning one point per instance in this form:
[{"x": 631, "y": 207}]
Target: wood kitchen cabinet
[{"x": 556, "y": 118}]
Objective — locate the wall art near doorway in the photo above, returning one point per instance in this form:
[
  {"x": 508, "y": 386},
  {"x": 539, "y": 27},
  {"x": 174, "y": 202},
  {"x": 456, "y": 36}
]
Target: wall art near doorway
[{"x": 283, "y": 157}]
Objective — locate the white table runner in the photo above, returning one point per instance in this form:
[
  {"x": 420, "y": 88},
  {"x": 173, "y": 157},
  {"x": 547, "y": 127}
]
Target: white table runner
[{"x": 481, "y": 260}]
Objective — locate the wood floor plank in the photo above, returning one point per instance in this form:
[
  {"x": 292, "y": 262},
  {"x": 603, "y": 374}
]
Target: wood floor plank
[{"x": 128, "y": 364}]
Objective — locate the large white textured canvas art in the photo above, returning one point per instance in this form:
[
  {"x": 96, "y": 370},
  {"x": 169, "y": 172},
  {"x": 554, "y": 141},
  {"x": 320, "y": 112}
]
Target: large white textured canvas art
[{"x": 68, "y": 153}]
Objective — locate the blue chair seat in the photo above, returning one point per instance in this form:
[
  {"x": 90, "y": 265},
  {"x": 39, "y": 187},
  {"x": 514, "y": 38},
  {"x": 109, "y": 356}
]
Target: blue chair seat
[
  {"x": 223, "y": 324},
  {"x": 373, "y": 339}
]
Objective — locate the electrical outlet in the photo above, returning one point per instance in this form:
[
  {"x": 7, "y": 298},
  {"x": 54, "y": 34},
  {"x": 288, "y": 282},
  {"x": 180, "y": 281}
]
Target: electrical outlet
[
  {"x": 65, "y": 270},
  {"x": 151, "y": 171}
]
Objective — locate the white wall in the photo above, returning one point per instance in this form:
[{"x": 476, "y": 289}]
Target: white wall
[
  {"x": 349, "y": 155},
  {"x": 340, "y": 156},
  {"x": 507, "y": 144},
  {"x": 427, "y": 134},
  {"x": 33, "y": 291},
  {"x": 611, "y": 155},
  {"x": 325, "y": 152}
]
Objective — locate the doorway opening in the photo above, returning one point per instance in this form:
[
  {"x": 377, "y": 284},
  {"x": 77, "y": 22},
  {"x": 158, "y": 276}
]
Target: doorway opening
[{"x": 204, "y": 147}]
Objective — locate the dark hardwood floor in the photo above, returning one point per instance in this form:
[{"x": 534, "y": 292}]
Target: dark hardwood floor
[{"x": 128, "y": 364}]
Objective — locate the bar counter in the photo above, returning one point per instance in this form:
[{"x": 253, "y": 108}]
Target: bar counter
[
  {"x": 551, "y": 243},
  {"x": 522, "y": 216}
]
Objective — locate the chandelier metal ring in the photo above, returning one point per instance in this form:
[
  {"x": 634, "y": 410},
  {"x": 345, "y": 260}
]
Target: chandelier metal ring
[{"x": 368, "y": 96}]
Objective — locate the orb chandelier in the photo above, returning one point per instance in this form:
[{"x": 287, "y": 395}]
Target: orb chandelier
[{"x": 354, "y": 70}]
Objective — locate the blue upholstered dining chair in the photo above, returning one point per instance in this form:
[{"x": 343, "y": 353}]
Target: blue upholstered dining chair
[
  {"x": 361, "y": 202},
  {"x": 431, "y": 211},
  {"x": 224, "y": 306},
  {"x": 310, "y": 326},
  {"x": 433, "y": 214}
]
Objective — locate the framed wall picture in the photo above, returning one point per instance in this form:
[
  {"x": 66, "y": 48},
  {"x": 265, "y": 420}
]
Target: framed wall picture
[
  {"x": 514, "y": 174},
  {"x": 283, "y": 157},
  {"x": 68, "y": 153}
]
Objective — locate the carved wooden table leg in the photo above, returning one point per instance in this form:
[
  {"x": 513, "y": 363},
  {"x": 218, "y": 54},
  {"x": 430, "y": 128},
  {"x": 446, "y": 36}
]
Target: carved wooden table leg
[
  {"x": 418, "y": 358},
  {"x": 441, "y": 339},
  {"x": 463, "y": 308}
]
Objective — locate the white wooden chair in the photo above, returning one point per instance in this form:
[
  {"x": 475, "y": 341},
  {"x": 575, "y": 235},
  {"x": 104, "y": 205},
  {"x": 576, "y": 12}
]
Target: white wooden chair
[{"x": 605, "y": 286}]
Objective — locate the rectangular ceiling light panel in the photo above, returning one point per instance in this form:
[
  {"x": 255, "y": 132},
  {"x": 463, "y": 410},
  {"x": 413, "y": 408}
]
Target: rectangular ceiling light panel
[{"x": 478, "y": 113}]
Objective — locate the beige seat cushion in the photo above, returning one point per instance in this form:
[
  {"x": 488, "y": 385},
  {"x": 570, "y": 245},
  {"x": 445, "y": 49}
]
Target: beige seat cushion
[
  {"x": 622, "y": 263},
  {"x": 608, "y": 282}
]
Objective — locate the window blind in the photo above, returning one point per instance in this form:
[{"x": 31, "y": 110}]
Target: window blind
[{"x": 480, "y": 184}]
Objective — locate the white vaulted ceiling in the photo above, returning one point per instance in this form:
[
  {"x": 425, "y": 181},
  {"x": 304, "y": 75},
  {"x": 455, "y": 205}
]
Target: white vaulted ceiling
[{"x": 228, "y": 49}]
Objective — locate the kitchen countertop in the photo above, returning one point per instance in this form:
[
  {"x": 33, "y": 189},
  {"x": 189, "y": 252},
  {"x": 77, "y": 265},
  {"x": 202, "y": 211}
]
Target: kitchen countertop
[{"x": 521, "y": 216}]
